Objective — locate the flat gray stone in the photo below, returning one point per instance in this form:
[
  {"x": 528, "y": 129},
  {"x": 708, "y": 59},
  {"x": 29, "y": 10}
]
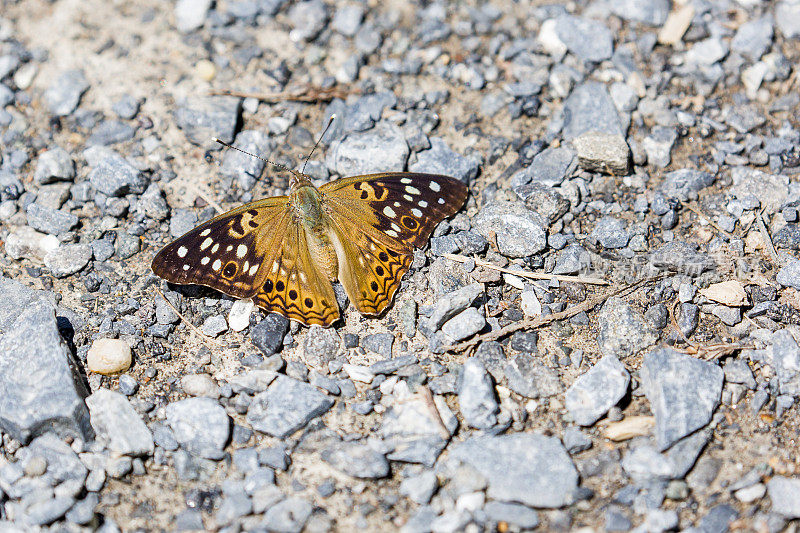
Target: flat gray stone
[
  {"x": 356, "y": 460},
  {"x": 590, "y": 108},
  {"x": 111, "y": 174},
  {"x": 611, "y": 233},
  {"x": 41, "y": 389},
  {"x": 203, "y": 118},
  {"x": 519, "y": 231},
  {"x": 685, "y": 183},
  {"x": 200, "y": 425},
  {"x": 603, "y": 152},
  {"x": 598, "y": 390},
  {"x": 413, "y": 432},
  {"x": 114, "y": 419},
  {"x": 68, "y": 259},
  {"x": 286, "y": 406},
  {"x": 243, "y": 168},
  {"x": 528, "y": 468},
  {"x": 682, "y": 256},
  {"x": 54, "y": 165},
  {"x": 589, "y": 40},
  {"x": 441, "y": 159},
  {"x": 464, "y": 325},
  {"x": 651, "y": 12},
  {"x": 753, "y": 38},
  {"x": 550, "y": 168},
  {"x": 785, "y": 360},
  {"x": 476, "y": 396},
  {"x": 191, "y": 14},
  {"x": 48, "y": 220},
  {"x": 512, "y": 513},
  {"x": 381, "y": 149},
  {"x": 683, "y": 392},
  {"x": 64, "y": 94},
  {"x": 287, "y": 516},
  {"x": 784, "y": 493},
  {"x": 787, "y": 18},
  {"x": 771, "y": 190},
  {"x": 623, "y": 331}
]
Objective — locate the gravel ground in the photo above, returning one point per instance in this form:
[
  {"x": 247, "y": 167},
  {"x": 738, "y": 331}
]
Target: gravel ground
[{"x": 636, "y": 141}]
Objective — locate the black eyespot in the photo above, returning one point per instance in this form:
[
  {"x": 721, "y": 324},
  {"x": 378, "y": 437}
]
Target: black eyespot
[
  {"x": 409, "y": 222},
  {"x": 279, "y": 286},
  {"x": 293, "y": 294},
  {"x": 373, "y": 286},
  {"x": 363, "y": 294},
  {"x": 252, "y": 212},
  {"x": 364, "y": 195},
  {"x": 309, "y": 302},
  {"x": 357, "y": 186},
  {"x": 324, "y": 303},
  {"x": 393, "y": 253},
  {"x": 383, "y": 257},
  {"x": 252, "y": 223},
  {"x": 268, "y": 286},
  {"x": 230, "y": 270},
  {"x": 379, "y": 270}
]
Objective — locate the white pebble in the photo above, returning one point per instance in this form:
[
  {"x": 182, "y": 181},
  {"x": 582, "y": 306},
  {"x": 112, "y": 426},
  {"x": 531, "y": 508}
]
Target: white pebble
[
  {"x": 359, "y": 373},
  {"x": 109, "y": 356},
  {"x": 239, "y": 315},
  {"x": 200, "y": 385}
]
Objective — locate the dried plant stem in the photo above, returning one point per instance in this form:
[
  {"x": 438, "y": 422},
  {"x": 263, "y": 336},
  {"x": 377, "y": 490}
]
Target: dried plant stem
[
  {"x": 205, "y": 338},
  {"x": 538, "y": 322},
  {"x": 523, "y": 274},
  {"x": 305, "y": 94},
  {"x": 713, "y": 224},
  {"x": 767, "y": 238}
]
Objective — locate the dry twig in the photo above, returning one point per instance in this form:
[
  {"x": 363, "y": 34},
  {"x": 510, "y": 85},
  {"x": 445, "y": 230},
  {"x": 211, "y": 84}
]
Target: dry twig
[
  {"x": 708, "y": 352},
  {"x": 767, "y": 238},
  {"x": 524, "y": 274},
  {"x": 713, "y": 224},
  {"x": 203, "y": 337},
  {"x": 303, "y": 94},
  {"x": 538, "y": 322}
]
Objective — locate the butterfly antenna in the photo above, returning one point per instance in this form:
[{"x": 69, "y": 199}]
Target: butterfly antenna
[
  {"x": 330, "y": 121},
  {"x": 223, "y": 143}
]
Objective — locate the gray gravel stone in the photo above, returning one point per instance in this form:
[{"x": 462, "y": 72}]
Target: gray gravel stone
[
  {"x": 598, "y": 390},
  {"x": 52, "y": 221},
  {"x": 651, "y": 12},
  {"x": 785, "y": 359},
  {"x": 54, "y": 165},
  {"x": 575, "y": 440},
  {"x": 288, "y": 516},
  {"x": 753, "y": 38},
  {"x": 784, "y": 493},
  {"x": 685, "y": 183},
  {"x": 684, "y": 257},
  {"x": 40, "y": 387},
  {"x": 414, "y": 433},
  {"x": 519, "y": 231},
  {"x": 203, "y": 118},
  {"x": 320, "y": 346},
  {"x": 111, "y": 174},
  {"x": 588, "y": 39},
  {"x": 286, "y": 406},
  {"x": 126, "y": 107},
  {"x": 622, "y": 330},
  {"x": 381, "y": 149},
  {"x": 683, "y": 393},
  {"x": 380, "y": 343},
  {"x": 64, "y": 94},
  {"x": 153, "y": 204},
  {"x": 268, "y": 334},
  {"x": 111, "y": 132},
  {"x": 451, "y": 304},
  {"x": 770, "y": 190},
  {"x": 243, "y": 168},
  {"x": 611, "y": 233},
  {"x": 789, "y": 275},
  {"x": 347, "y": 19},
  {"x": 513, "y": 514},
  {"x": 307, "y": 19},
  {"x": 441, "y": 159},
  {"x": 214, "y": 326},
  {"x": 603, "y": 152},
  {"x": 47, "y": 511},
  {"x": 529, "y": 378},
  {"x": 658, "y": 146},
  {"x": 200, "y": 425},
  {"x": 464, "y": 325},
  {"x": 787, "y": 18},
  {"x": 114, "y": 420},
  {"x": 357, "y": 460},
  {"x": 476, "y": 396},
  {"x": 589, "y": 108},
  {"x": 550, "y": 168},
  {"x": 522, "y": 467},
  {"x": 191, "y": 14}
]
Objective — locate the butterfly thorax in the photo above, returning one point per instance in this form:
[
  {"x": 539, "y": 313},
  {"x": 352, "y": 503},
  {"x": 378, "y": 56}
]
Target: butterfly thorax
[{"x": 308, "y": 211}]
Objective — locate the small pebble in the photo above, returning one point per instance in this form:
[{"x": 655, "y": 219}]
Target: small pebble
[{"x": 109, "y": 356}]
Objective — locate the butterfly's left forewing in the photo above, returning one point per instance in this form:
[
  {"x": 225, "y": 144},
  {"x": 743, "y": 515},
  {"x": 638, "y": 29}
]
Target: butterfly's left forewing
[
  {"x": 379, "y": 220},
  {"x": 226, "y": 252}
]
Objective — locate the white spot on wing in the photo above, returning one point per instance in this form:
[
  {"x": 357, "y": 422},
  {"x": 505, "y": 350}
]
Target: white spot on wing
[
  {"x": 405, "y": 181},
  {"x": 253, "y": 270},
  {"x": 205, "y": 232},
  {"x": 186, "y": 267},
  {"x": 204, "y": 261},
  {"x": 407, "y": 197},
  {"x": 217, "y": 265},
  {"x": 416, "y": 212},
  {"x": 423, "y": 204},
  {"x": 182, "y": 251},
  {"x": 435, "y": 187},
  {"x": 395, "y": 227},
  {"x": 274, "y": 267},
  {"x": 241, "y": 250},
  {"x": 441, "y": 200},
  {"x": 206, "y": 243},
  {"x": 391, "y": 233},
  {"x": 389, "y": 212},
  {"x": 246, "y": 266},
  {"x": 229, "y": 248},
  {"x": 412, "y": 190},
  {"x": 215, "y": 248}
]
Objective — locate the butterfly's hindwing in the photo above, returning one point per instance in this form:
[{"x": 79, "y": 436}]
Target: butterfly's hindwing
[
  {"x": 405, "y": 206},
  {"x": 294, "y": 286},
  {"x": 226, "y": 252}
]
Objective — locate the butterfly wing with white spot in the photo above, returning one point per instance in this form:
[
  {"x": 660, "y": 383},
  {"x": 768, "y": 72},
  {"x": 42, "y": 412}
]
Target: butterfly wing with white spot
[
  {"x": 379, "y": 219},
  {"x": 226, "y": 252}
]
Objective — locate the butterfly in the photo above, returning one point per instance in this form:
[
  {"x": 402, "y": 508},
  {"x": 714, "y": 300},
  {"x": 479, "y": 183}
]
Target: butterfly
[{"x": 284, "y": 252}]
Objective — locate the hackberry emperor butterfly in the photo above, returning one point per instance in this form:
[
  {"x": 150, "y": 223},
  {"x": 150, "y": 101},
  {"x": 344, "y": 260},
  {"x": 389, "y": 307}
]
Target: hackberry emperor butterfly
[{"x": 284, "y": 252}]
